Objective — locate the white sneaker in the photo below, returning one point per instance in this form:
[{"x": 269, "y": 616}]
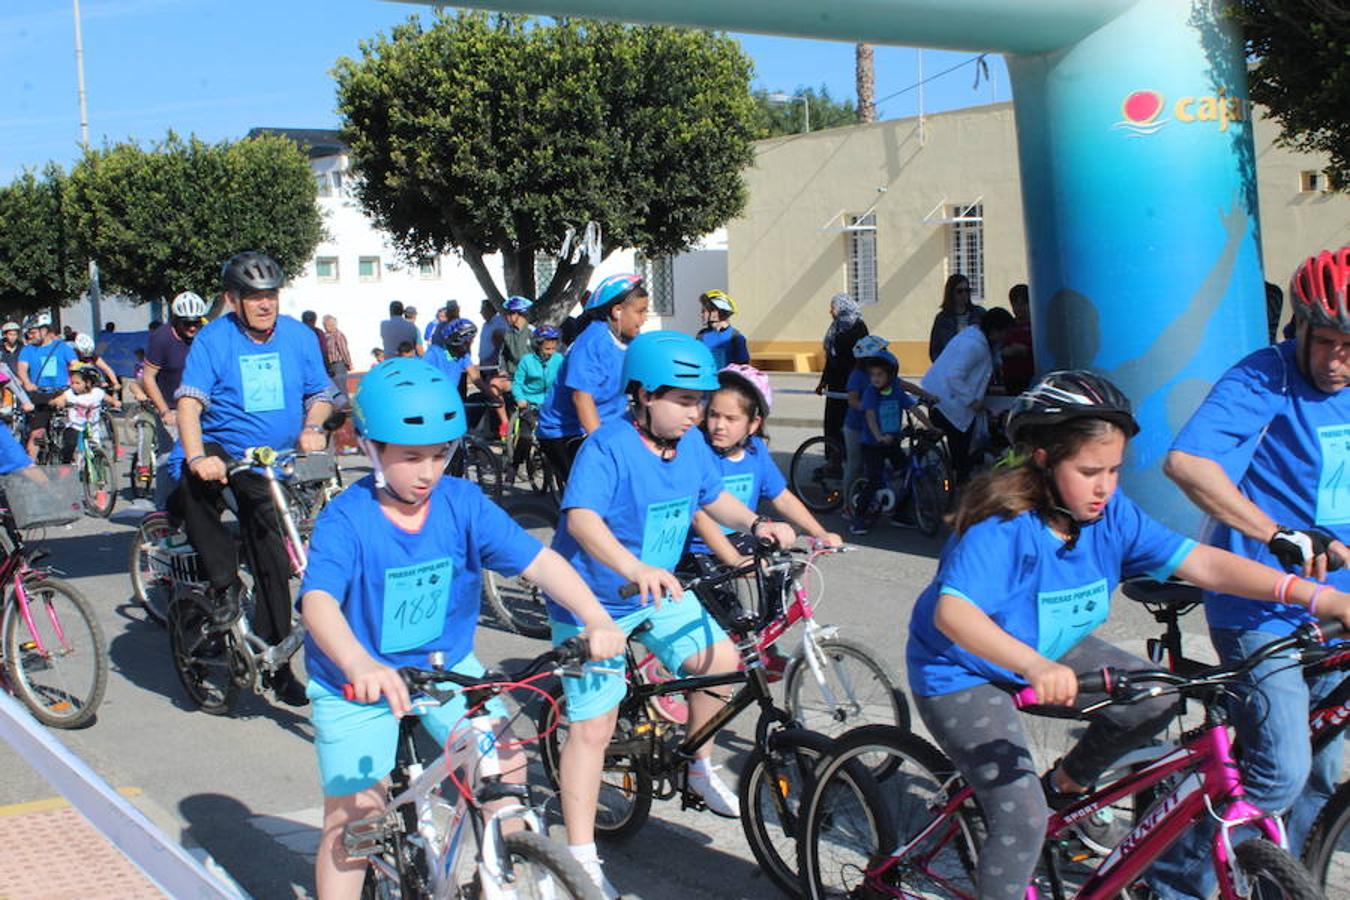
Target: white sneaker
[
  {"x": 597, "y": 874},
  {"x": 714, "y": 791}
]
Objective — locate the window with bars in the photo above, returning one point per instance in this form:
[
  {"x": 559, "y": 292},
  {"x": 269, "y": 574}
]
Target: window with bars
[
  {"x": 659, "y": 273},
  {"x": 545, "y": 267},
  {"x": 861, "y": 232},
  {"x": 965, "y": 247}
]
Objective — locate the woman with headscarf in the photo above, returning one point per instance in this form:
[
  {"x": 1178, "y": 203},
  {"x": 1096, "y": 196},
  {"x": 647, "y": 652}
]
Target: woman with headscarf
[
  {"x": 845, "y": 330},
  {"x": 957, "y": 313}
]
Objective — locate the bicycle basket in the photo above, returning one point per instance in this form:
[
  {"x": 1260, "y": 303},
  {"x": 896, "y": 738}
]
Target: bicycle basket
[
  {"x": 41, "y": 496},
  {"x": 186, "y": 565},
  {"x": 312, "y": 467}
]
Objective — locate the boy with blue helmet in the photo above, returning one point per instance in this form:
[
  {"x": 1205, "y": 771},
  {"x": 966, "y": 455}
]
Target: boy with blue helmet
[
  {"x": 394, "y": 574},
  {"x": 638, "y": 480}
]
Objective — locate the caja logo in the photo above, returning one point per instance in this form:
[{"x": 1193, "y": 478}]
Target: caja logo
[{"x": 1144, "y": 112}]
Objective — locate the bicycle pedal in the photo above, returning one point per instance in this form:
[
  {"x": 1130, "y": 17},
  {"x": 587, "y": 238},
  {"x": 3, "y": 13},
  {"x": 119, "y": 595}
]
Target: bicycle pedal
[{"x": 366, "y": 837}]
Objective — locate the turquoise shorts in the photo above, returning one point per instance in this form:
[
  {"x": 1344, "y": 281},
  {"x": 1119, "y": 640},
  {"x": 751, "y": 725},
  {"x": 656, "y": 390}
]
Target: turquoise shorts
[
  {"x": 356, "y": 742},
  {"x": 680, "y": 629}
]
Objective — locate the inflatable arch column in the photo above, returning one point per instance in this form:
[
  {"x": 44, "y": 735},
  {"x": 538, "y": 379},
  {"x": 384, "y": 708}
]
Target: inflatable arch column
[{"x": 1138, "y": 177}]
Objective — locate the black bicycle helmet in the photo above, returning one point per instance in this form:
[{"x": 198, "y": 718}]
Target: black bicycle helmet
[
  {"x": 1070, "y": 394},
  {"x": 251, "y": 271}
]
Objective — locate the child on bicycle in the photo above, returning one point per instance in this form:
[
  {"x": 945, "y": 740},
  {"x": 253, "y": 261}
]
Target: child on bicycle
[
  {"x": 538, "y": 370},
  {"x": 1039, "y": 547},
  {"x": 83, "y": 402},
  {"x": 726, "y": 343},
  {"x": 394, "y": 574},
  {"x": 636, "y": 484},
  {"x": 87, "y": 355},
  {"x": 884, "y": 403}
]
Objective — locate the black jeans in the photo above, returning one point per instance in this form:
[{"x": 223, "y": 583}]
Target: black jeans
[
  {"x": 835, "y": 411},
  {"x": 561, "y": 453},
  {"x": 199, "y": 504},
  {"x": 874, "y": 468},
  {"x": 958, "y": 442}
]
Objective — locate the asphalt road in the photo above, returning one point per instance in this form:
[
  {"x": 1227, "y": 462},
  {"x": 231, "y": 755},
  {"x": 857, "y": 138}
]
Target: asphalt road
[{"x": 245, "y": 788}]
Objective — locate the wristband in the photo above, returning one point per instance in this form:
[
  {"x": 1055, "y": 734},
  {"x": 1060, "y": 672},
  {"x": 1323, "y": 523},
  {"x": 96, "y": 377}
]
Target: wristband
[
  {"x": 759, "y": 520},
  {"x": 1282, "y": 587},
  {"x": 1312, "y": 601},
  {"x": 194, "y": 459},
  {"x": 318, "y": 428}
]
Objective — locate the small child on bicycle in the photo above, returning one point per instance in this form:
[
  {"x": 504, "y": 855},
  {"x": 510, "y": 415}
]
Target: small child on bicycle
[
  {"x": 394, "y": 574},
  {"x": 884, "y": 403},
  {"x": 1038, "y": 549},
  {"x": 538, "y": 370},
  {"x": 636, "y": 483},
  {"x": 83, "y": 402}
]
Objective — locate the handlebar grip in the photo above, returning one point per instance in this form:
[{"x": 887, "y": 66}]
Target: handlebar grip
[
  {"x": 1102, "y": 681},
  {"x": 1330, "y": 629},
  {"x": 575, "y": 649},
  {"x": 349, "y": 691},
  {"x": 630, "y": 589}
]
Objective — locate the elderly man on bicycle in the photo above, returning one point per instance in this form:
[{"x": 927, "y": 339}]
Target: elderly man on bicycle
[{"x": 253, "y": 378}]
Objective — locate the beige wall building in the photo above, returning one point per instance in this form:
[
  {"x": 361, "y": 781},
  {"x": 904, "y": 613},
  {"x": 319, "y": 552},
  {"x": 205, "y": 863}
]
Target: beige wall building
[{"x": 887, "y": 211}]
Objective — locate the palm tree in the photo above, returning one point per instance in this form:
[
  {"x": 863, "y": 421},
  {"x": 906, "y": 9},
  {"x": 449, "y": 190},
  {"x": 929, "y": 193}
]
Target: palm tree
[{"x": 866, "y": 77}]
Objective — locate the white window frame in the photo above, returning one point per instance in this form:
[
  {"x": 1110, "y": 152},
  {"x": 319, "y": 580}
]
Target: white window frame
[
  {"x": 965, "y": 246},
  {"x": 429, "y": 267},
  {"x": 375, "y": 276},
  {"x": 327, "y": 279},
  {"x": 860, "y": 236},
  {"x": 659, "y": 274},
  {"x": 1312, "y": 181}
]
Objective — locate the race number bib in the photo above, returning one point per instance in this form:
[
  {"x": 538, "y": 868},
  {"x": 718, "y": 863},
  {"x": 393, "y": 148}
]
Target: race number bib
[
  {"x": 1333, "y": 486},
  {"x": 664, "y": 531},
  {"x": 416, "y": 601},
  {"x": 742, "y": 487},
  {"x": 888, "y": 415},
  {"x": 1066, "y": 617},
  {"x": 264, "y": 388}
]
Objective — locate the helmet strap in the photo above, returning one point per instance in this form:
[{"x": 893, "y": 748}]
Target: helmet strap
[
  {"x": 381, "y": 483},
  {"x": 665, "y": 446},
  {"x": 1074, "y": 529}
]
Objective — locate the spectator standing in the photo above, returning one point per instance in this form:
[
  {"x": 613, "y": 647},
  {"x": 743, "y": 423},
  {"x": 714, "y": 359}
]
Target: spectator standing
[
  {"x": 339, "y": 356},
  {"x": 311, "y": 320},
  {"x": 110, "y": 327},
  {"x": 846, "y": 327},
  {"x": 377, "y": 354},
  {"x": 410, "y": 313},
  {"x": 68, "y": 334},
  {"x": 396, "y": 329},
  {"x": 491, "y": 335},
  {"x": 957, "y": 313},
  {"x": 442, "y": 316},
  {"x": 1019, "y": 364},
  {"x": 959, "y": 378}
]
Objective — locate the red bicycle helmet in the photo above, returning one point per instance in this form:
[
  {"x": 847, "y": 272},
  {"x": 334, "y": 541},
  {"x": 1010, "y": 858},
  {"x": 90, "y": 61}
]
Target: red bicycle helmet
[{"x": 1318, "y": 290}]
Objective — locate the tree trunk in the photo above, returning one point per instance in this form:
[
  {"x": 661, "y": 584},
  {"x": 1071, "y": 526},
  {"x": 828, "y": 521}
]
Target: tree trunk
[
  {"x": 866, "y": 77},
  {"x": 518, "y": 272},
  {"x": 563, "y": 292}
]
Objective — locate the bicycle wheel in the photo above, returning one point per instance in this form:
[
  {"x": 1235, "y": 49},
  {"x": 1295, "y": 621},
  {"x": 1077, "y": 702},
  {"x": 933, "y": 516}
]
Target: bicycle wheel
[
  {"x": 483, "y": 467},
  {"x": 100, "y": 487},
  {"x": 1272, "y": 871},
  {"x": 517, "y": 602},
  {"x": 537, "y": 867},
  {"x": 1327, "y": 853},
  {"x": 853, "y": 688},
  {"x": 202, "y": 656},
  {"x": 59, "y": 667},
  {"x": 625, "y": 785},
  {"x": 773, "y": 784},
  {"x": 151, "y": 576},
  {"x": 853, "y": 820},
  {"x": 816, "y": 474},
  {"x": 925, "y": 491},
  {"x": 536, "y": 469}
]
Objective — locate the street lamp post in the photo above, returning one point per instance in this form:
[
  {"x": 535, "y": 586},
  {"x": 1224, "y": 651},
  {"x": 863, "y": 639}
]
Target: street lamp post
[
  {"x": 95, "y": 294},
  {"x": 792, "y": 98}
]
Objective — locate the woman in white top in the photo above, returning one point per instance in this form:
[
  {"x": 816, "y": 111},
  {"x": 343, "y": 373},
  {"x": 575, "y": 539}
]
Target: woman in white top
[{"x": 959, "y": 377}]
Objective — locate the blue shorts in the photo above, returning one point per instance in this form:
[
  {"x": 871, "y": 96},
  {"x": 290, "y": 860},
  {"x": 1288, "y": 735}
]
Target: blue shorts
[
  {"x": 356, "y": 742},
  {"x": 680, "y": 628}
]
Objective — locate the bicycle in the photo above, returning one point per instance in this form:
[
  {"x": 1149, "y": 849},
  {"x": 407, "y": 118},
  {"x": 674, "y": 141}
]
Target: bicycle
[
  {"x": 522, "y": 449},
  {"x": 518, "y": 603},
  {"x": 920, "y": 478},
  {"x": 816, "y": 473},
  {"x": 98, "y": 470},
  {"x": 922, "y": 838},
  {"x": 646, "y": 761},
  {"x": 415, "y": 844},
  {"x": 55, "y": 658},
  {"x": 145, "y": 450},
  {"x": 473, "y": 458}
]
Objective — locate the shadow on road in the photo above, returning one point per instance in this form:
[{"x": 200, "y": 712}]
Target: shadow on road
[{"x": 263, "y": 861}]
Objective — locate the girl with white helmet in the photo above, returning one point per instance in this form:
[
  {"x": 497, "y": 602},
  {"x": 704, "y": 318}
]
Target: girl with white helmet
[{"x": 87, "y": 355}]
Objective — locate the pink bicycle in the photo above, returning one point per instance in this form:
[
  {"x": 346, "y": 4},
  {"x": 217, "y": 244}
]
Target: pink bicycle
[{"x": 913, "y": 828}]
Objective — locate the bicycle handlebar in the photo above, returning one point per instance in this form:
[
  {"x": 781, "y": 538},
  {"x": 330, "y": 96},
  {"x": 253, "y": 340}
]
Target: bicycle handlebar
[{"x": 779, "y": 557}]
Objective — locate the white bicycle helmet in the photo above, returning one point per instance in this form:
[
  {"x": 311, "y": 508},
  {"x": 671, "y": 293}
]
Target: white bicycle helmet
[
  {"x": 84, "y": 345},
  {"x": 188, "y": 305}
]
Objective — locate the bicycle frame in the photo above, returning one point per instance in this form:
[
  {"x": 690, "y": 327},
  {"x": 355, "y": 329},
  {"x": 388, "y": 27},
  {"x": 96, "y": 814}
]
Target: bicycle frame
[{"x": 16, "y": 571}]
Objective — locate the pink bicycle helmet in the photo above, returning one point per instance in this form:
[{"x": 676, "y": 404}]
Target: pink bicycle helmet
[
  {"x": 1318, "y": 290},
  {"x": 752, "y": 378}
]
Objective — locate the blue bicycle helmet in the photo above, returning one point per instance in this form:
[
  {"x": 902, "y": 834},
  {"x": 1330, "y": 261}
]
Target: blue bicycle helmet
[
  {"x": 517, "y": 304},
  {"x": 408, "y": 401},
  {"x": 545, "y": 333},
  {"x": 885, "y": 358},
  {"x": 669, "y": 359},
  {"x": 460, "y": 334},
  {"x": 612, "y": 290}
]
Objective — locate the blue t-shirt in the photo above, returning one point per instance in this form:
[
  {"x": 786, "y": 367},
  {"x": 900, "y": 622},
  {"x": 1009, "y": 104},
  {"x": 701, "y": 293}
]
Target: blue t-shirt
[
  {"x": 859, "y": 381},
  {"x": 648, "y": 503},
  {"x": 405, "y": 593},
  {"x": 453, "y": 367},
  {"x": 594, "y": 364},
  {"x": 889, "y": 405},
  {"x": 12, "y": 455},
  {"x": 254, "y": 394},
  {"x": 49, "y": 366},
  {"x": 1286, "y": 445},
  {"x": 751, "y": 479},
  {"x": 1019, "y": 573},
  {"x": 728, "y": 346}
]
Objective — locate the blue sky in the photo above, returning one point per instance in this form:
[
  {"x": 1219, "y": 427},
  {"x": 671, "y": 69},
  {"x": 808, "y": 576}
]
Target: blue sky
[{"x": 217, "y": 68}]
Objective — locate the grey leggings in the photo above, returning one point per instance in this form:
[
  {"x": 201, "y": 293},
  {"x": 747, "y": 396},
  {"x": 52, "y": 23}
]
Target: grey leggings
[{"x": 980, "y": 730}]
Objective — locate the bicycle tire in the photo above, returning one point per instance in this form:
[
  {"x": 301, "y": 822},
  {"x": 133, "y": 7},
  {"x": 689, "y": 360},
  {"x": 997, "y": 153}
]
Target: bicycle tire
[
  {"x": 483, "y": 467},
  {"x": 202, "y": 657},
  {"x": 536, "y": 470},
  {"x": 810, "y": 477},
  {"x": 516, "y": 602},
  {"x": 74, "y": 679},
  {"x": 152, "y": 590},
  {"x": 526, "y": 850},
  {"x": 1326, "y": 852},
  {"x": 882, "y": 703},
  {"x": 772, "y": 785},
  {"x": 853, "y": 819},
  {"x": 1272, "y": 871},
  {"x": 625, "y": 801},
  {"x": 926, "y": 494},
  {"x": 99, "y": 475}
]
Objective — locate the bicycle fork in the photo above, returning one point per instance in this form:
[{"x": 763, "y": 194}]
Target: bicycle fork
[
  {"x": 817, "y": 661},
  {"x": 26, "y": 610}
]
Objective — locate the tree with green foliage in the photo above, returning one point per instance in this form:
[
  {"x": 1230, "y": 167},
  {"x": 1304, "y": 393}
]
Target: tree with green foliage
[
  {"x": 163, "y": 220},
  {"x": 40, "y": 264},
  {"x": 488, "y": 134},
  {"x": 1302, "y": 73},
  {"x": 776, "y": 117}
]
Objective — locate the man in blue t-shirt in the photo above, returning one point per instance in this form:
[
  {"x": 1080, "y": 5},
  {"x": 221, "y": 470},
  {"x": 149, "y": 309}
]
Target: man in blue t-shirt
[
  {"x": 253, "y": 378},
  {"x": 44, "y": 372},
  {"x": 1264, "y": 457}
]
